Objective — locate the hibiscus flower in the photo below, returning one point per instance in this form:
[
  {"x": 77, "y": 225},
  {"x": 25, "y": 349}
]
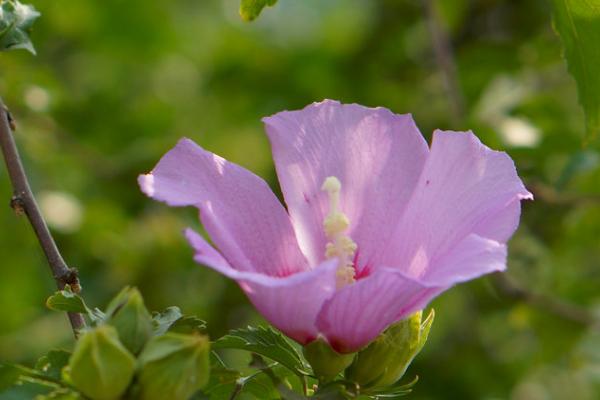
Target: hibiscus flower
[{"x": 377, "y": 222}]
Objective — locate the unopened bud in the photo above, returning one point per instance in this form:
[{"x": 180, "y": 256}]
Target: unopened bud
[
  {"x": 174, "y": 366},
  {"x": 385, "y": 360},
  {"x": 325, "y": 361},
  {"x": 128, "y": 314},
  {"x": 101, "y": 367}
]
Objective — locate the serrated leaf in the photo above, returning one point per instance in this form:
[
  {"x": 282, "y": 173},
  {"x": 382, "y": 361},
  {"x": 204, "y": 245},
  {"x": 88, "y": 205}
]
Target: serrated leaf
[
  {"x": 51, "y": 364},
  {"x": 266, "y": 342},
  {"x": 250, "y": 9},
  {"x": 578, "y": 24},
  {"x": 163, "y": 321},
  {"x": 222, "y": 382},
  {"x": 16, "y": 20},
  {"x": 188, "y": 325}
]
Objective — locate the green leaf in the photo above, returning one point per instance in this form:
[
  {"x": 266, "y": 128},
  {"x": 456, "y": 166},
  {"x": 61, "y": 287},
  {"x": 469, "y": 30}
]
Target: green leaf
[
  {"x": 188, "y": 325},
  {"x": 172, "y": 320},
  {"x": 266, "y": 342},
  {"x": 16, "y": 20},
  {"x": 66, "y": 300},
  {"x": 578, "y": 24},
  {"x": 163, "y": 321},
  {"x": 51, "y": 364},
  {"x": 250, "y": 9}
]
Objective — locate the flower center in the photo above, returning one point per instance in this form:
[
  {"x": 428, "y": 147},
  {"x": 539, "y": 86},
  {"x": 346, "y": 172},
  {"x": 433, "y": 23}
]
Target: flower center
[{"x": 335, "y": 225}]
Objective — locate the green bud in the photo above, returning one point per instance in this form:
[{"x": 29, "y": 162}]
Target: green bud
[
  {"x": 385, "y": 360},
  {"x": 101, "y": 367},
  {"x": 174, "y": 366},
  {"x": 325, "y": 361},
  {"x": 128, "y": 314}
]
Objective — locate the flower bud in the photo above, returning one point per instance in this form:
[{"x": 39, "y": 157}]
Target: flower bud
[
  {"x": 128, "y": 314},
  {"x": 385, "y": 360},
  {"x": 101, "y": 367},
  {"x": 325, "y": 361},
  {"x": 174, "y": 366}
]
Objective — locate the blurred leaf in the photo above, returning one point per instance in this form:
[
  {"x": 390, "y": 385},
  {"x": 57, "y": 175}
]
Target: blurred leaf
[
  {"x": 188, "y": 325},
  {"x": 9, "y": 375},
  {"x": 16, "y": 20},
  {"x": 52, "y": 363},
  {"x": 266, "y": 342},
  {"x": 66, "y": 300},
  {"x": 164, "y": 320},
  {"x": 18, "y": 382},
  {"x": 222, "y": 382},
  {"x": 250, "y": 9},
  {"x": 578, "y": 24}
]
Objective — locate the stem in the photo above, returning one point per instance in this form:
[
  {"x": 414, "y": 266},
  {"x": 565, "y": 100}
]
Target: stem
[
  {"x": 445, "y": 60},
  {"x": 23, "y": 202}
]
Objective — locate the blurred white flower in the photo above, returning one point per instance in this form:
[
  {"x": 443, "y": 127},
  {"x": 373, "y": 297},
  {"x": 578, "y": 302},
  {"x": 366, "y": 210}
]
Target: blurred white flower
[{"x": 62, "y": 211}]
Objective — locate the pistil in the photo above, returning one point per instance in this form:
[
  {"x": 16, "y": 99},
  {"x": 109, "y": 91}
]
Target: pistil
[{"x": 336, "y": 223}]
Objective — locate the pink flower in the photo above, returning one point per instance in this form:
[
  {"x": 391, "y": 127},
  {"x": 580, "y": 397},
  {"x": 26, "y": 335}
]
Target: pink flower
[{"x": 377, "y": 223}]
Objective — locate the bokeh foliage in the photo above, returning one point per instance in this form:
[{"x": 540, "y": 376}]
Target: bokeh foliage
[{"x": 116, "y": 83}]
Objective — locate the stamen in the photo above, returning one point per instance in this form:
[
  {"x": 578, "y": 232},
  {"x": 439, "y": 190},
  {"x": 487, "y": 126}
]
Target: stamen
[{"x": 335, "y": 224}]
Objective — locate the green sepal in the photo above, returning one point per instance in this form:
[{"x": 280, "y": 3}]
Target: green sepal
[
  {"x": 385, "y": 360},
  {"x": 325, "y": 361}
]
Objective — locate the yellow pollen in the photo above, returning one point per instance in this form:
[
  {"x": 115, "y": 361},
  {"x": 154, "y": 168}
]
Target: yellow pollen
[{"x": 335, "y": 224}]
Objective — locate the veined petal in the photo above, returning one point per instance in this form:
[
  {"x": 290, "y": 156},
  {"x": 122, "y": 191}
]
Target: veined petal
[
  {"x": 358, "y": 313},
  {"x": 377, "y": 156},
  {"x": 238, "y": 209},
  {"x": 290, "y": 303},
  {"x": 465, "y": 189}
]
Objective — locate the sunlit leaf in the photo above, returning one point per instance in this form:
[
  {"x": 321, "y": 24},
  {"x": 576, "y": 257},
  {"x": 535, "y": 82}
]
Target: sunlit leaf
[
  {"x": 16, "y": 20},
  {"x": 250, "y": 9},
  {"x": 52, "y": 363},
  {"x": 163, "y": 320},
  {"x": 578, "y": 24},
  {"x": 67, "y": 300}
]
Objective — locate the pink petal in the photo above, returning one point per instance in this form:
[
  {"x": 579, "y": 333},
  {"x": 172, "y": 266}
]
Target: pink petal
[
  {"x": 377, "y": 156},
  {"x": 358, "y": 313},
  {"x": 291, "y": 303},
  {"x": 466, "y": 194},
  {"x": 238, "y": 209}
]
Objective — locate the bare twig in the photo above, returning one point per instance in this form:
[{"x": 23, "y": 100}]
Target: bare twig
[
  {"x": 23, "y": 202},
  {"x": 442, "y": 49},
  {"x": 568, "y": 311}
]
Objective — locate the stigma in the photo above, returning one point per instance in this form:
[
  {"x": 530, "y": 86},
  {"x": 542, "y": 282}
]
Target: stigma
[{"x": 336, "y": 223}]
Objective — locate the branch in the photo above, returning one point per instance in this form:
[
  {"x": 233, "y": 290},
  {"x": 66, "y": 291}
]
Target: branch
[
  {"x": 442, "y": 49},
  {"x": 23, "y": 202},
  {"x": 560, "y": 308}
]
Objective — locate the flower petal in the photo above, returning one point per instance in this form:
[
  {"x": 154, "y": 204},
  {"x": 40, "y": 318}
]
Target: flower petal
[
  {"x": 465, "y": 189},
  {"x": 238, "y": 209},
  {"x": 291, "y": 303},
  {"x": 358, "y": 313},
  {"x": 377, "y": 156}
]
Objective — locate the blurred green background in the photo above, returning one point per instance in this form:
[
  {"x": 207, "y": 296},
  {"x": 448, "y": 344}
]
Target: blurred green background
[{"x": 116, "y": 83}]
